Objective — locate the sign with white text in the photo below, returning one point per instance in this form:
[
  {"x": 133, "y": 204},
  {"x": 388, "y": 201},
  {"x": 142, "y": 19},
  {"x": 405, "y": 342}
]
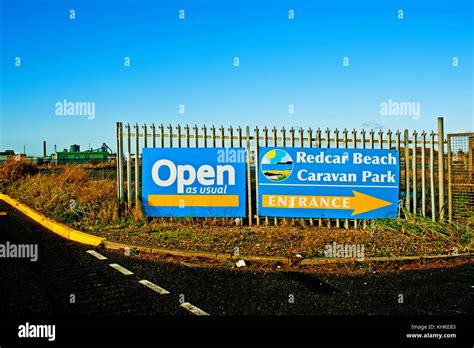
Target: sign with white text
[
  {"x": 328, "y": 183},
  {"x": 194, "y": 182}
]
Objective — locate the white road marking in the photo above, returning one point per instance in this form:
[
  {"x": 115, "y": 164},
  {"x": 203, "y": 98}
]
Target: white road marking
[
  {"x": 96, "y": 254},
  {"x": 154, "y": 287},
  {"x": 193, "y": 309},
  {"x": 120, "y": 269}
]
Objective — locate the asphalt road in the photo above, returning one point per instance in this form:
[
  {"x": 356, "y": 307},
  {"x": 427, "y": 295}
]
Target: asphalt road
[{"x": 64, "y": 269}]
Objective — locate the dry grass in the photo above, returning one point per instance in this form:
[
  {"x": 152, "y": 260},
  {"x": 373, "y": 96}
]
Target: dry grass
[
  {"x": 281, "y": 240},
  {"x": 68, "y": 196},
  {"x": 12, "y": 171}
]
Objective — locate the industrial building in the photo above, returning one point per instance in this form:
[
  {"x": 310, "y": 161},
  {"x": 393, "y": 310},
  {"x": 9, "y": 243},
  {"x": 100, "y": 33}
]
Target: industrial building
[
  {"x": 72, "y": 156},
  {"x": 75, "y": 155}
]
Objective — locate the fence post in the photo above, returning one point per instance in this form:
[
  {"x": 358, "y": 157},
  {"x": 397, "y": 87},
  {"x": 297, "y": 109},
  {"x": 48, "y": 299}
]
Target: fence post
[
  {"x": 336, "y": 145},
  {"x": 371, "y": 139},
  {"x": 162, "y": 135},
  {"x": 292, "y": 144},
  {"x": 441, "y": 167},
  {"x": 178, "y": 135},
  {"x": 129, "y": 166},
  {"x": 362, "y": 138},
  {"x": 256, "y": 161},
  {"x": 231, "y": 136},
  {"x": 407, "y": 169},
  {"x": 310, "y": 143},
  {"x": 414, "y": 169},
  {"x": 196, "y": 136},
  {"x": 153, "y": 130},
  {"x": 318, "y": 145},
  {"x": 450, "y": 203},
  {"x": 344, "y": 143},
  {"x": 145, "y": 135},
  {"x": 397, "y": 147},
  {"x": 117, "y": 162},
  {"x": 186, "y": 131},
  {"x": 239, "y": 136},
  {"x": 380, "y": 133},
  {"x": 372, "y": 146},
  {"x": 213, "y": 136},
  {"x": 204, "y": 135},
  {"x": 389, "y": 139},
  {"x": 432, "y": 183},
  {"x": 265, "y": 143},
  {"x": 137, "y": 165},
  {"x": 328, "y": 145},
  {"x": 301, "y": 136},
  {"x": 222, "y": 136},
  {"x": 249, "y": 181},
  {"x": 318, "y": 137},
  {"x": 170, "y": 135},
  {"x": 120, "y": 194},
  {"x": 423, "y": 174},
  {"x": 354, "y": 144},
  {"x": 328, "y": 138},
  {"x": 275, "y": 143}
]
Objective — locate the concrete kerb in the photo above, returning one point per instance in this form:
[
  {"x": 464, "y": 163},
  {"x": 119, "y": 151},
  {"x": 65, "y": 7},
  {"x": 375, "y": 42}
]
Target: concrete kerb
[
  {"x": 55, "y": 227},
  {"x": 270, "y": 259},
  {"x": 78, "y": 236}
]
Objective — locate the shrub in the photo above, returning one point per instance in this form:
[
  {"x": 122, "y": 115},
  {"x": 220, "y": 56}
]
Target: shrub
[{"x": 12, "y": 171}]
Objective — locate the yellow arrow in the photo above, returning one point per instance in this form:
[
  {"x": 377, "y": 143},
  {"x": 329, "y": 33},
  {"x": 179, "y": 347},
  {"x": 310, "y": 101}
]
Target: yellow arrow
[
  {"x": 363, "y": 203},
  {"x": 359, "y": 203}
]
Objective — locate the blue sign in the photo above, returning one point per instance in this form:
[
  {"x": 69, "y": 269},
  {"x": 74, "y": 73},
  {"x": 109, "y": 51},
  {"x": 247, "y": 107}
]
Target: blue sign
[
  {"x": 328, "y": 183},
  {"x": 194, "y": 182}
]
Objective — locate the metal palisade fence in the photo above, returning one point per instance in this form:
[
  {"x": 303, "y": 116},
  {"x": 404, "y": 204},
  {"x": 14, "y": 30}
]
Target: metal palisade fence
[
  {"x": 422, "y": 164},
  {"x": 461, "y": 176}
]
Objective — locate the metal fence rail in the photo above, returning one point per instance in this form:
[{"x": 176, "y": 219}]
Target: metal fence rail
[
  {"x": 422, "y": 165},
  {"x": 461, "y": 177}
]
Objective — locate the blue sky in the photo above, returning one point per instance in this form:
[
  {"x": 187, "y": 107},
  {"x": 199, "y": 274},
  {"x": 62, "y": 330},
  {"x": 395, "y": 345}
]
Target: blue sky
[{"x": 191, "y": 62}]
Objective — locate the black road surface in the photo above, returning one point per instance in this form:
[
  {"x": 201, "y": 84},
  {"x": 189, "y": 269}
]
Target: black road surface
[{"x": 65, "y": 271}]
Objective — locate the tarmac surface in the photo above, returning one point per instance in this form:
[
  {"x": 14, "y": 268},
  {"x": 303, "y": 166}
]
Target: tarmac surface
[{"x": 67, "y": 281}]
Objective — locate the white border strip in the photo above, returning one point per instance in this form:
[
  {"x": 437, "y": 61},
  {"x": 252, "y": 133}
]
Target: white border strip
[
  {"x": 154, "y": 287},
  {"x": 96, "y": 254},
  {"x": 120, "y": 269},
  {"x": 193, "y": 309}
]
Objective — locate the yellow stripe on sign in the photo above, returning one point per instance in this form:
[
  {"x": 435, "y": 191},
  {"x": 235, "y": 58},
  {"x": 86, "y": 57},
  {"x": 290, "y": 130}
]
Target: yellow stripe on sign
[
  {"x": 359, "y": 202},
  {"x": 193, "y": 200}
]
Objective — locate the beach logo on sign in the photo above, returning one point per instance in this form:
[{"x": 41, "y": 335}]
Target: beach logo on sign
[{"x": 277, "y": 165}]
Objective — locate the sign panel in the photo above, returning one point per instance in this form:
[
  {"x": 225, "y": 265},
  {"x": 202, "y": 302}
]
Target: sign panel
[
  {"x": 194, "y": 182},
  {"x": 328, "y": 183}
]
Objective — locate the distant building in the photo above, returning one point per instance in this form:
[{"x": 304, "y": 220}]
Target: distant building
[
  {"x": 5, "y": 155},
  {"x": 11, "y": 155},
  {"x": 71, "y": 156},
  {"x": 75, "y": 155}
]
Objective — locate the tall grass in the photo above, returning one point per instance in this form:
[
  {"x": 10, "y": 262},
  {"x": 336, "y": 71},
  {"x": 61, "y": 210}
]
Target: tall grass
[
  {"x": 68, "y": 195},
  {"x": 425, "y": 228},
  {"x": 12, "y": 171}
]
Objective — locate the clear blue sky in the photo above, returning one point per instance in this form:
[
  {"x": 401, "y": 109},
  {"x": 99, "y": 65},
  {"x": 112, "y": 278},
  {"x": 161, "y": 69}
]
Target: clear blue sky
[{"x": 190, "y": 62}]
